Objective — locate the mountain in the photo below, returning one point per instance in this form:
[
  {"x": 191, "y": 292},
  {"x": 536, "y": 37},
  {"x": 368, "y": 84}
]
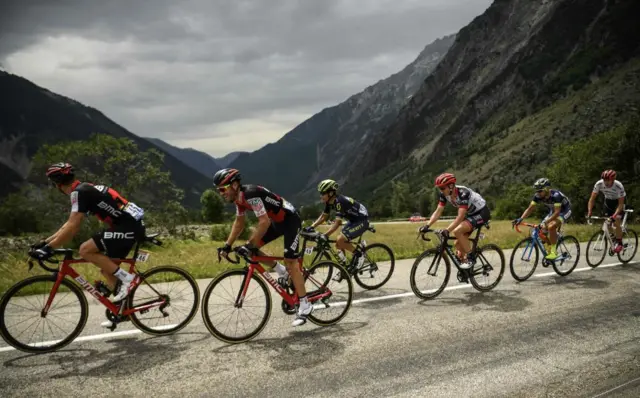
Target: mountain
[
  {"x": 199, "y": 161},
  {"x": 520, "y": 80},
  {"x": 325, "y": 145},
  {"x": 32, "y": 116},
  {"x": 230, "y": 157}
]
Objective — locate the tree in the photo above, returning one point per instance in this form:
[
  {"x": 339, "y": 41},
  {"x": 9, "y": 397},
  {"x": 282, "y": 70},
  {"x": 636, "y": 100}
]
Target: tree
[
  {"x": 425, "y": 204},
  {"x": 401, "y": 203},
  {"x": 212, "y": 206}
]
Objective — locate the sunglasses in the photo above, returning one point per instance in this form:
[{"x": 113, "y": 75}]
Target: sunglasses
[{"x": 224, "y": 188}]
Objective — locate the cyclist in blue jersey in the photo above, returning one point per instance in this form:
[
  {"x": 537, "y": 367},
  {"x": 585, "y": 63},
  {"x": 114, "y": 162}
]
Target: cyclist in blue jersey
[
  {"x": 347, "y": 209},
  {"x": 559, "y": 211}
]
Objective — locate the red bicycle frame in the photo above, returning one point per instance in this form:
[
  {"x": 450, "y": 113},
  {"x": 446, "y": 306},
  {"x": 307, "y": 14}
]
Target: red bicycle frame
[
  {"x": 66, "y": 269},
  {"x": 292, "y": 300}
]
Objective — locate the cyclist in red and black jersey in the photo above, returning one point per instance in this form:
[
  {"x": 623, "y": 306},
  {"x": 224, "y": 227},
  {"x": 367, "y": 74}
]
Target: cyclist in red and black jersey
[
  {"x": 276, "y": 217},
  {"x": 124, "y": 219}
]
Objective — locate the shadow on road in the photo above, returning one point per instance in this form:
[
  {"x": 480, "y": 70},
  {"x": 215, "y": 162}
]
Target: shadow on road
[
  {"x": 124, "y": 357},
  {"x": 574, "y": 282},
  {"x": 307, "y": 348},
  {"x": 500, "y": 301}
]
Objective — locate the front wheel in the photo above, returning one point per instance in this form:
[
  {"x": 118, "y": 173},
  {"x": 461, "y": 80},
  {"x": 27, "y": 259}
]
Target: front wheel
[
  {"x": 596, "y": 249},
  {"x": 224, "y": 319},
  {"x": 22, "y": 323},
  {"x": 630, "y": 246},
  {"x": 568, "y": 250},
  {"x": 179, "y": 294},
  {"x": 426, "y": 272},
  {"x": 489, "y": 261},
  {"x": 524, "y": 260},
  {"x": 377, "y": 268}
]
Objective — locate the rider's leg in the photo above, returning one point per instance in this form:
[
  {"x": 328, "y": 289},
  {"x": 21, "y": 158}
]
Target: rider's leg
[
  {"x": 90, "y": 252},
  {"x": 462, "y": 238},
  {"x": 618, "y": 228},
  {"x": 553, "y": 238}
]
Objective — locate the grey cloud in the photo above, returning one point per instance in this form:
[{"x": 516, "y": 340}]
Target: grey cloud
[{"x": 203, "y": 62}]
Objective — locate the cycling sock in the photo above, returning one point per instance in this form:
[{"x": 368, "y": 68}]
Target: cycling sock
[
  {"x": 304, "y": 300},
  {"x": 123, "y": 275}
]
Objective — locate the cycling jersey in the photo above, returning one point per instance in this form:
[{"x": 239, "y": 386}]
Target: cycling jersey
[
  {"x": 262, "y": 201},
  {"x": 347, "y": 208},
  {"x": 555, "y": 199},
  {"x": 614, "y": 192},
  {"x": 105, "y": 203},
  {"x": 466, "y": 198}
]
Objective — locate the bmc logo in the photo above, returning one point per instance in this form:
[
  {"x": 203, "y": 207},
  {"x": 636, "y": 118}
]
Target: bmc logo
[
  {"x": 272, "y": 201},
  {"x": 118, "y": 235},
  {"x": 109, "y": 209}
]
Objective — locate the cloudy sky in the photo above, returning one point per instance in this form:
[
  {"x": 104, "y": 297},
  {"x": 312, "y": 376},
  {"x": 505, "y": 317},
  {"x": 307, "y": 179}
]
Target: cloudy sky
[{"x": 218, "y": 75}]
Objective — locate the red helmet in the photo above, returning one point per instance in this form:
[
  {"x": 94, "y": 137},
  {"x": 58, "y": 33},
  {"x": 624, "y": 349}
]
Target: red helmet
[
  {"x": 608, "y": 174},
  {"x": 445, "y": 179},
  {"x": 61, "y": 173}
]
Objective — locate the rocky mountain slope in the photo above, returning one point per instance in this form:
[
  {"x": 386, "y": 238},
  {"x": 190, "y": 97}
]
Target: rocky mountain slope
[{"x": 202, "y": 162}]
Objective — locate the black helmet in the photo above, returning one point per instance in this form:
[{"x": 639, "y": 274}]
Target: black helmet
[
  {"x": 541, "y": 183},
  {"x": 61, "y": 173},
  {"x": 226, "y": 176}
]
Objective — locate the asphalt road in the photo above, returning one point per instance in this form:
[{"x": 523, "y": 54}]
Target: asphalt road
[{"x": 577, "y": 336}]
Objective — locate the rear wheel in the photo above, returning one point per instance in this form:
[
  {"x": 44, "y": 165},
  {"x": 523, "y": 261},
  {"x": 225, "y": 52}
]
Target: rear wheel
[
  {"x": 330, "y": 290},
  {"x": 568, "y": 249},
  {"x": 630, "y": 244},
  {"x": 377, "y": 268}
]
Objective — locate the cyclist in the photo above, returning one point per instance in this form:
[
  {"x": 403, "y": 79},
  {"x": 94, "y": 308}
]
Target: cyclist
[
  {"x": 346, "y": 208},
  {"x": 276, "y": 217},
  {"x": 614, "y": 197},
  {"x": 559, "y": 211},
  {"x": 473, "y": 212},
  {"x": 124, "y": 219}
]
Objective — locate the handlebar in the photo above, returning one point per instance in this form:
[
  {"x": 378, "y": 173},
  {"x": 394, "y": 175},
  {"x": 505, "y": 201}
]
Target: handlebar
[
  {"x": 526, "y": 224},
  {"x": 41, "y": 263}
]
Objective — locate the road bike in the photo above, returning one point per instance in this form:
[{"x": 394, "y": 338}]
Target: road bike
[
  {"x": 58, "y": 301},
  {"x": 374, "y": 272},
  {"x": 246, "y": 290},
  {"x": 597, "y": 246},
  {"x": 487, "y": 260},
  {"x": 528, "y": 251}
]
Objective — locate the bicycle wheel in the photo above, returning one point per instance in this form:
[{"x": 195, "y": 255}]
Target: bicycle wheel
[
  {"x": 525, "y": 250},
  {"x": 630, "y": 243},
  {"x": 27, "y": 299},
  {"x": 568, "y": 249},
  {"x": 180, "y": 292},
  {"x": 429, "y": 264},
  {"x": 377, "y": 268},
  {"x": 318, "y": 280},
  {"x": 219, "y": 306},
  {"x": 489, "y": 260},
  {"x": 596, "y": 249}
]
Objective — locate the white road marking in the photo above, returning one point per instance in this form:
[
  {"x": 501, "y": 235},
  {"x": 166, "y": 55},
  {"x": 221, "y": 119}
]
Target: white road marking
[
  {"x": 615, "y": 388},
  {"x": 358, "y": 301}
]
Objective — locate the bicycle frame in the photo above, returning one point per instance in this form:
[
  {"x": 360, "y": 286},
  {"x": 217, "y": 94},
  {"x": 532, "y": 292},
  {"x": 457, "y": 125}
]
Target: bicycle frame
[
  {"x": 327, "y": 248},
  {"x": 538, "y": 238},
  {"x": 607, "y": 224},
  {"x": 446, "y": 246}
]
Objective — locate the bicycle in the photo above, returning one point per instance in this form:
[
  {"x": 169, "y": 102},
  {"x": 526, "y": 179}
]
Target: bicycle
[
  {"x": 534, "y": 244},
  {"x": 481, "y": 266},
  {"x": 319, "y": 293},
  {"x": 63, "y": 289},
  {"x": 323, "y": 249},
  {"x": 603, "y": 238}
]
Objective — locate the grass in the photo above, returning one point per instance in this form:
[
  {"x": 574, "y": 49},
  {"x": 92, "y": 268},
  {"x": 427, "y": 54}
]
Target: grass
[{"x": 200, "y": 257}]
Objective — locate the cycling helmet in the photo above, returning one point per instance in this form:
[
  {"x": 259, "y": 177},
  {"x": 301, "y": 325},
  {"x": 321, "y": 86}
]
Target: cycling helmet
[
  {"x": 445, "y": 179},
  {"x": 327, "y": 185},
  {"x": 226, "y": 176},
  {"x": 60, "y": 173},
  {"x": 608, "y": 174},
  {"x": 541, "y": 183}
]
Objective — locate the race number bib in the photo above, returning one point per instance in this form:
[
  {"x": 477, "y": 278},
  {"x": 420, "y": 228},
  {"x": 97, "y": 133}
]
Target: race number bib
[
  {"x": 136, "y": 212},
  {"x": 142, "y": 256}
]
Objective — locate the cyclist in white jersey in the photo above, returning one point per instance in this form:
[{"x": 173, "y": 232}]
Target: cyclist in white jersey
[
  {"x": 614, "y": 197},
  {"x": 473, "y": 212}
]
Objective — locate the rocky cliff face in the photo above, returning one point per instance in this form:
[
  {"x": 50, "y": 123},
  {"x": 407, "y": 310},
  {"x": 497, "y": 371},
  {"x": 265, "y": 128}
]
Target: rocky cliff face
[
  {"x": 324, "y": 145},
  {"x": 517, "y": 59}
]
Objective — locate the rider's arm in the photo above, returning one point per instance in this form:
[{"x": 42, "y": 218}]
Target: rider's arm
[
  {"x": 620, "y": 207},
  {"x": 68, "y": 230},
  {"x": 52, "y": 237},
  {"x": 236, "y": 229},
  {"x": 528, "y": 211},
  {"x": 462, "y": 213},
  {"x": 336, "y": 224},
  {"x": 322, "y": 218},
  {"x": 590, "y": 204},
  {"x": 436, "y": 215},
  {"x": 263, "y": 225}
]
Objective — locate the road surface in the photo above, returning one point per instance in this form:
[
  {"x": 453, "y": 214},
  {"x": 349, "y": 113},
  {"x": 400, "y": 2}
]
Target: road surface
[{"x": 577, "y": 336}]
